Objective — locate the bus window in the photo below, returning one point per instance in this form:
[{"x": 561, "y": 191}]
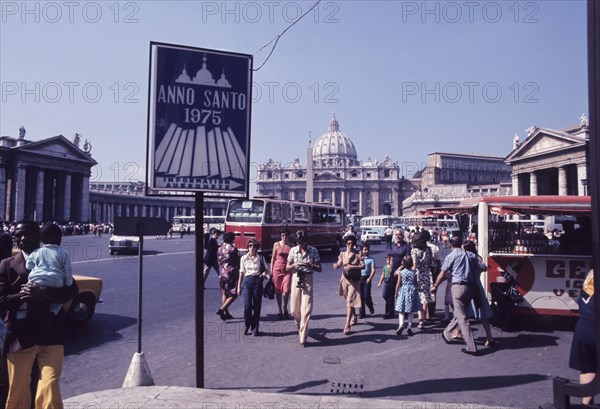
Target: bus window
[
  {"x": 319, "y": 215},
  {"x": 273, "y": 213},
  {"x": 301, "y": 214},
  {"x": 335, "y": 216},
  {"x": 245, "y": 211}
]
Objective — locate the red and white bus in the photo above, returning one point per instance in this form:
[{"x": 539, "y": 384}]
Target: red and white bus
[
  {"x": 262, "y": 218},
  {"x": 514, "y": 236}
]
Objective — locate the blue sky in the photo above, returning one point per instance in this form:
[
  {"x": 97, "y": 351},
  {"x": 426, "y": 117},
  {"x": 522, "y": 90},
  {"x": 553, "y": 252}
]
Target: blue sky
[{"x": 404, "y": 78}]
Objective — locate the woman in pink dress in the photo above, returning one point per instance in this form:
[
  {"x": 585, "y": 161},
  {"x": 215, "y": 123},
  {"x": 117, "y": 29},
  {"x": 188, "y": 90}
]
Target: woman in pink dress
[{"x": 281, "y": 277}]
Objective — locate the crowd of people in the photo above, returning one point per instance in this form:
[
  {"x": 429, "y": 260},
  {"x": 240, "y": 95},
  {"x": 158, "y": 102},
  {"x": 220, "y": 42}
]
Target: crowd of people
[
  {"x": 413, "y": 270},
  {"x": 70, "y": 228}
]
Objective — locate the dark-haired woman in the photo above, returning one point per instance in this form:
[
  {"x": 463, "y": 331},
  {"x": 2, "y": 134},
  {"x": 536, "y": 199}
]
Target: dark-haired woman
[
  {"x": 229, "y": 274},
  {"x": 253, "y": 270},
  {"x": 281, "y": 277},
  {"x": 350, "y": 288},
  {"x": 422, "y": 260}
]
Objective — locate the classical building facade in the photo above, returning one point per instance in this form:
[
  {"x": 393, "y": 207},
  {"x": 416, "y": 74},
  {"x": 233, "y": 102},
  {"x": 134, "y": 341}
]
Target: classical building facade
[
  {"x": 44, "y": 180},
  {"x": 49, "y": 180},
  {"x": 109, "y": 200},
  {"x": 551, "y": 162},
  {"x": 333, "y": 173}
]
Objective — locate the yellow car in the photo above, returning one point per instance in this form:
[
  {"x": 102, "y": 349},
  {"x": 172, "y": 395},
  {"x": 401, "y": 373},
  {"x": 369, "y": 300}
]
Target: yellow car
[{"x": 81, "y": 309}]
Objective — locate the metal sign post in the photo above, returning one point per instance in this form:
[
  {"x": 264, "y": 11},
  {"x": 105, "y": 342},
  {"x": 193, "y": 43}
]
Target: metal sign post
[
  {"x": 138, "y": 373},
  {"x": 199, "y": 105}
]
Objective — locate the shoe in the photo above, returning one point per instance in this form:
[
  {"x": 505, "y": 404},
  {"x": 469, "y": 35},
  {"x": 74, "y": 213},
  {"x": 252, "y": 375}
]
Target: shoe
[
  {"x": 246, "y": 330},
  {"x": 354, "y": 320},
  {"x": 286, "y": 315},
  {"x": 280, "y": 316},
  {"x": 421, "y": 325},
  {"x": 221, "y": 314},
  {"x": 256, "y": 333},
  {"x": 466, "y": 351},
  {"x": 399, "y": 330},
  {"x": 410, "y": 332},
  {"x": 303, "y": 344},
  {"x": 371, "y": 310},
  {"x": 347, "y": 329},
  {"x": 446, "y": 340},
  {"x": 489, "y": 342},
  {"x": 228, "y": 316}
]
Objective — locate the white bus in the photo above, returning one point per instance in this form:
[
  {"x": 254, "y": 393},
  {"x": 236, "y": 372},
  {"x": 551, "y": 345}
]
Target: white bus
[
  {"x": 185, "y": 224},
  {"x": 378, "y": 224}
]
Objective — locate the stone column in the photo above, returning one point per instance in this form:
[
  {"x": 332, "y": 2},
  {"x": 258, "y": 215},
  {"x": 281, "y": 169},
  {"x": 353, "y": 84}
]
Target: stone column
[
  {"x": 581, "y": 176},
  {"x": 376, "y": 208},
  {"x": 343, "y": 200},
  {"x": 85, "y": 198},
  {"x": 67, "y": 201},
  {"x": 3, "y": 193},
  {"x": 361, "y": 209},
  {"x": 39, "y": 197},
  {"x": 515, "y": 184},
  {"x": 320, "y": 195},
  {"x": 533, "y": 184},
  {"x": 562, "y": 181},
  {"x": 19, "y": 192}
]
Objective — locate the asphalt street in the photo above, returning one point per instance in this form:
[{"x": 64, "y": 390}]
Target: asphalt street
[{"x": 370, "y": 362}]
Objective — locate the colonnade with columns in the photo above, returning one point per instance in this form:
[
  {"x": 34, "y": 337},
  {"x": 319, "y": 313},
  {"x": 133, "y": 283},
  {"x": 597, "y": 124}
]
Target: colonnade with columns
[
  {"x": 562, "y": 180},
  {"x": 29, "y": 191},
  {"x": 366, "y": 201}
]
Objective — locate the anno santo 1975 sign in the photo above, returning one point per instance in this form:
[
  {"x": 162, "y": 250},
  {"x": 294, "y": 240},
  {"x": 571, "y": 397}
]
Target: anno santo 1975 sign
[{"x": 199, "y": 120}]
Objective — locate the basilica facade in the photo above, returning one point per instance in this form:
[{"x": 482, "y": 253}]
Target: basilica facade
[{"x": 334, "y": 174}]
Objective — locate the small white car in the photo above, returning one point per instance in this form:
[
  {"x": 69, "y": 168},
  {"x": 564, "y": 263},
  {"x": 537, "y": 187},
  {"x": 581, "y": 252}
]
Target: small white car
[
  {"x": 124, "y": 244},
  {"x": 370, "y": 237}
]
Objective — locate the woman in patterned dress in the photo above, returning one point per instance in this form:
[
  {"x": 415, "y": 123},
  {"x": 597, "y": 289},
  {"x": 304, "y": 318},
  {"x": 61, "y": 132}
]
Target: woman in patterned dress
[
  {"x": 229, "y": 274},
  {"x": 407, "y": 295},
  {"x": 281, "y": 277},
  {"x": 422, "y": 260}
]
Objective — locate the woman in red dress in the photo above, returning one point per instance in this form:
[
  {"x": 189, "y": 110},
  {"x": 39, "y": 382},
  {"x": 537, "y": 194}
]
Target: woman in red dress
[{"x": 281, "y": 277}]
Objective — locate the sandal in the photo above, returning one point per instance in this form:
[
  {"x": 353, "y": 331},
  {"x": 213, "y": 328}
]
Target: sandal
[
  {"x": 489, "y": 342},
  {"x": 347, "y": 329}
]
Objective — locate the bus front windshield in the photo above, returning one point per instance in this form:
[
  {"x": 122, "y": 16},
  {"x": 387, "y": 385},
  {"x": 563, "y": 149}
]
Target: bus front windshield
[{"x": 247, "y": 211}]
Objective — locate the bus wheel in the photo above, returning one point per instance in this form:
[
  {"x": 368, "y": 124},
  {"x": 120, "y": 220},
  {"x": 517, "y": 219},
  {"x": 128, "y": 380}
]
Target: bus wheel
[{"x": 336, "y": 246}]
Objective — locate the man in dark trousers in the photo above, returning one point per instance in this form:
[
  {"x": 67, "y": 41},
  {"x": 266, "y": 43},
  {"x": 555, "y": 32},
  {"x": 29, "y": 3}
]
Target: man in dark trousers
[
  {"x": 40, "y": 337},
  {"x": 210, "y": 258},
  {"x": 400, "y": 248}
]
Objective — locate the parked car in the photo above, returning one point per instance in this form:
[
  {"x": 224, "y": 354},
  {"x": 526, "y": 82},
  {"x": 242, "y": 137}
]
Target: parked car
[
  {"x": 123, "y": 244},
  {"x": 369, "y": 237},
  {"x": 81, "y": 309}
]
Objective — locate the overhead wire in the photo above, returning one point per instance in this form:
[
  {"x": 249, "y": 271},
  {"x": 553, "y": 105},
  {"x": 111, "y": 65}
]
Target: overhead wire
[{"x": 276, "y": 39}]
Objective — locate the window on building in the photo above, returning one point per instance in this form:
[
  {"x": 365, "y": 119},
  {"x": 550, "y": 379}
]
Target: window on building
[
  {"x": 368, "y": 174},
  {"x": 269, "y": 174},
  {"x": 354, "y": 174},
  {"x": 286, "y": 175},
  {"x": 386, "y": 173},
  {"x": 299, "y": 174}
]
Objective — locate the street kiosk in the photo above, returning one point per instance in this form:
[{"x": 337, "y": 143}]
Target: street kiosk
[{"x": 537, "y": 249}]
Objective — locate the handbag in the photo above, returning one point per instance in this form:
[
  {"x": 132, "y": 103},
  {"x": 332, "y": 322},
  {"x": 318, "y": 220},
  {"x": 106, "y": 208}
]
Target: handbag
[
  {"x": 353, "y": 274},
  {"x": 269, "y": 290}
]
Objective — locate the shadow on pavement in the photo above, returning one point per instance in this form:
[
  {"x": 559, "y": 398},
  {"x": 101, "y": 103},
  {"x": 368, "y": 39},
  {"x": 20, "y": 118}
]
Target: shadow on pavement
[
  {"x": 103, "y": 328},
  {"x": 446, "y": 385}
]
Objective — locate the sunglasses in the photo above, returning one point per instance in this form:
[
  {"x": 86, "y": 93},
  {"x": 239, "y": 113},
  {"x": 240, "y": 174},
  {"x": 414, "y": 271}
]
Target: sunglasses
[{"x": 251, "y": 245}]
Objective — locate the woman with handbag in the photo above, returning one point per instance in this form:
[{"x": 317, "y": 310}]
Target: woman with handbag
[
  {"x": 253, "y": 270},
  {"x": 350, "y": 280}
]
